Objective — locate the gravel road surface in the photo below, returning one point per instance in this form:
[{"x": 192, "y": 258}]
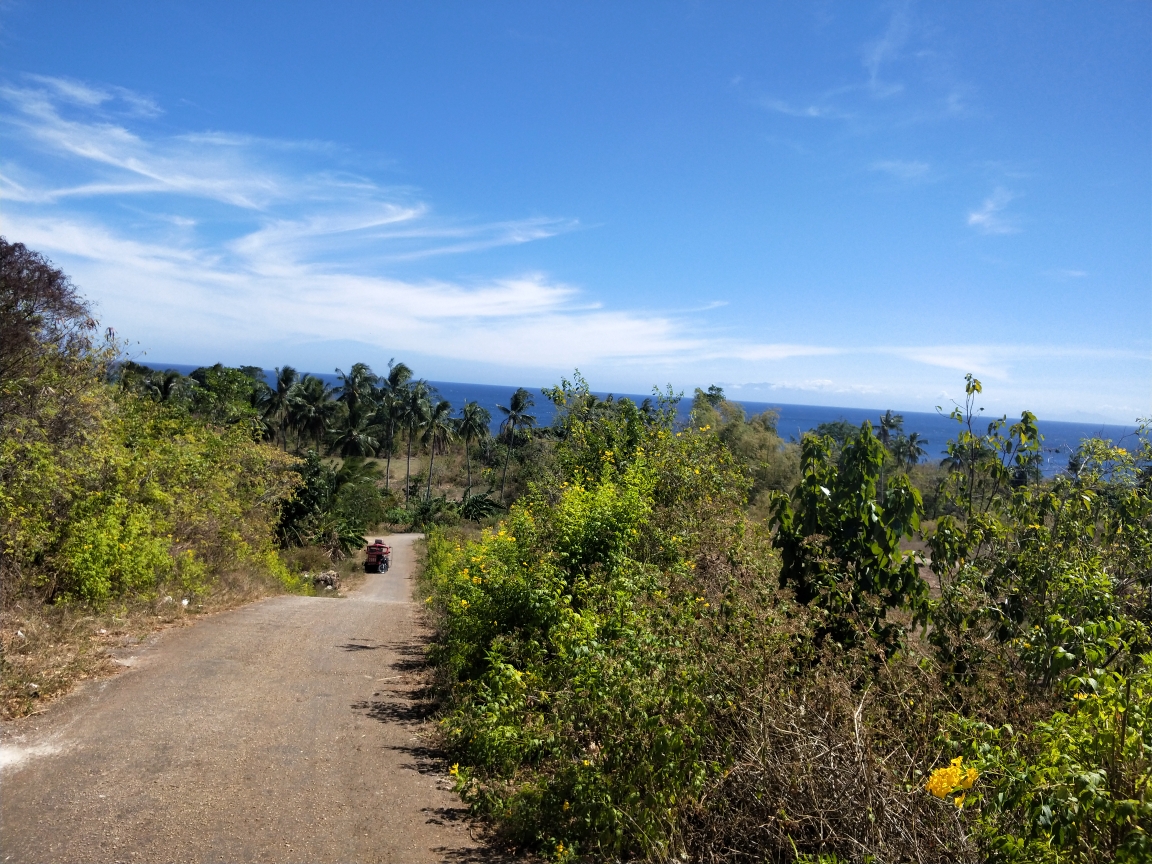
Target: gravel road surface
[{"x": 286, "y": 730}]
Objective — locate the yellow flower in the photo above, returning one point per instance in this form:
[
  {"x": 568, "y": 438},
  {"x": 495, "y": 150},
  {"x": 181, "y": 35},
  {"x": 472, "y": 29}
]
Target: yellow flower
[
  {"x": 945, "y": 781},
  {"x": 565, "y": 805},
  {"x": 959, "y": 801},
  {"x": 455, "y": 770},
  {"x": 1080, "y": 696},
  {"x": 586, "y": 762}
]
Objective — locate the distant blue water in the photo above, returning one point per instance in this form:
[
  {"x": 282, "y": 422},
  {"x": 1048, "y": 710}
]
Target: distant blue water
[{"x": 1060, "y": 438}]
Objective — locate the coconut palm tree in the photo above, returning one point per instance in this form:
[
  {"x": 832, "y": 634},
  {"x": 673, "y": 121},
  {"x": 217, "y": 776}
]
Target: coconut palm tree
[
  {"x": 389, "y": 400},
  {"x": 353, "y": 433},
  {"x": 164, "y": 386},
  {"x": 278, "y": 399},
  {"x": 310, "y": 409},
  {"x": 356, "y": 387},
  {"x": 916, "y": 448},
  {"x": 475, "y": 423},
  {"x": 414, "y": 413},
  {"x": 890, "y": 423},
  {"x": 355, "y": 469},
  {"x": 439, "y": 430},
  {"x": 260, "y": 400},
  {"x": 516, "y": 417}
]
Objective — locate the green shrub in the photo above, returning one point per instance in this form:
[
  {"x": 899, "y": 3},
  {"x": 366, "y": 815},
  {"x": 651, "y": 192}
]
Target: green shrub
[{"x": 631, "y": 670}]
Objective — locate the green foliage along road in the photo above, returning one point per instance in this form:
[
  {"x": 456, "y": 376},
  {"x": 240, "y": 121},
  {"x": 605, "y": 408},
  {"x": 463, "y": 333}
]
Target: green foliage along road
[
  {"x": 105, "y": 492},
  {"x": 635, "y": 669}
]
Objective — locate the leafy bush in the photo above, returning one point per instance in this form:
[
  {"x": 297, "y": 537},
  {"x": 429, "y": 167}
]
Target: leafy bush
[
  {"x": 478, "y": 507},
  {"x": 1074, "y": 788},
  {"x": 632, "y": 670},
  {"x": 111, "y": 514},
  {"x": 361, "y": 504},
  {"x": 104, "y": 492}
]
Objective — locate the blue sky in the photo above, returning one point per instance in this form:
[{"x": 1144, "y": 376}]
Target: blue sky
[{"x": 827, "y": 203}]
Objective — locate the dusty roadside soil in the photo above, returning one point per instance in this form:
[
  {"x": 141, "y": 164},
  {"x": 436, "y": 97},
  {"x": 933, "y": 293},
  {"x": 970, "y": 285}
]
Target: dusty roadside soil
[{"x": 287, "y": 730}]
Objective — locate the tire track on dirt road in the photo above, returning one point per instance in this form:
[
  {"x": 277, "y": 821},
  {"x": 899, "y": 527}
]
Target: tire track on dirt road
[{"x": 282, "y": 731}]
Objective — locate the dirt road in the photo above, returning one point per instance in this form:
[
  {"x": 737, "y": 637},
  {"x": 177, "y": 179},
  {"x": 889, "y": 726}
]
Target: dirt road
[{"x": 282, "y": 731}]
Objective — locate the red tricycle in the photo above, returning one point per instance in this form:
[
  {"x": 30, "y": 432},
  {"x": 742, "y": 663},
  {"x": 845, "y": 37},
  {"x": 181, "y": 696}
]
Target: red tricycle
[{"x": 379, "y": 557}]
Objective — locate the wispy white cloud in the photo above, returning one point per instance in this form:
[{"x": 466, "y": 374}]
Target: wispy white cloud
[
  {"x": 199, "y": 243},
  {"x": 80, "y": 93},
  {"x": 1001, "y": 361},
  {"x": 811, "y": 111},
  {"x": 904, "y": 80},
  {"x": 990, "y": 217},
  {"x": 887, "y": 48},
  {"x": 761, "y": 390},
  {"x": 903, "y": 169}
]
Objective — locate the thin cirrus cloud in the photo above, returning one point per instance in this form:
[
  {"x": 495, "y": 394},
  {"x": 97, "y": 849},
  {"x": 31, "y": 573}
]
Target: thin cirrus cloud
[
  {"x": 990, "y": 218},
  {"x": 903, "y": 169}
]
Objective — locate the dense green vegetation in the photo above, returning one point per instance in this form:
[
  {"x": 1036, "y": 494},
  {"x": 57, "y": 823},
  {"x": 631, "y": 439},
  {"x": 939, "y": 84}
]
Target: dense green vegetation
[
  {"x": 106, "y": 492},
  {"x": 123, "y": 481},
  {"x": 634, "y": 667}
]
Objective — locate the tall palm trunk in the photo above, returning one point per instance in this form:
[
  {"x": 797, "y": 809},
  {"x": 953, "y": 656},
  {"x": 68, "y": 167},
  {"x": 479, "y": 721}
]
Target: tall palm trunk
[
  {"x": 468, "y": 462},
  {"x": 431, "y": 461},
  {"x": 507, "y": 459},
  {"x": 408, "y": 468},
  {"x": 388, "y": 469}
]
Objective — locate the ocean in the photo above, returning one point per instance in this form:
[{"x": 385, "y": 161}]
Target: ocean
[{"x": 1060, "y": 437}]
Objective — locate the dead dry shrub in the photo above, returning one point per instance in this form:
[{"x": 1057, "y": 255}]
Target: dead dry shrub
[
  {"x": 818, "y": 764},
  {"x": 816, "y": 750}
]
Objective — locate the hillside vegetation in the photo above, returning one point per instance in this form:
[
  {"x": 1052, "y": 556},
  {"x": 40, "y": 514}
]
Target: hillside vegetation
[{"x": 634, "y": 668}]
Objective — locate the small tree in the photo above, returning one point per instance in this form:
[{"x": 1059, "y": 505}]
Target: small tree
[
  {"x": 474, "y": 424},
  {"x": 516, "y": 417},
  {"x": 840, "y": 547}
]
